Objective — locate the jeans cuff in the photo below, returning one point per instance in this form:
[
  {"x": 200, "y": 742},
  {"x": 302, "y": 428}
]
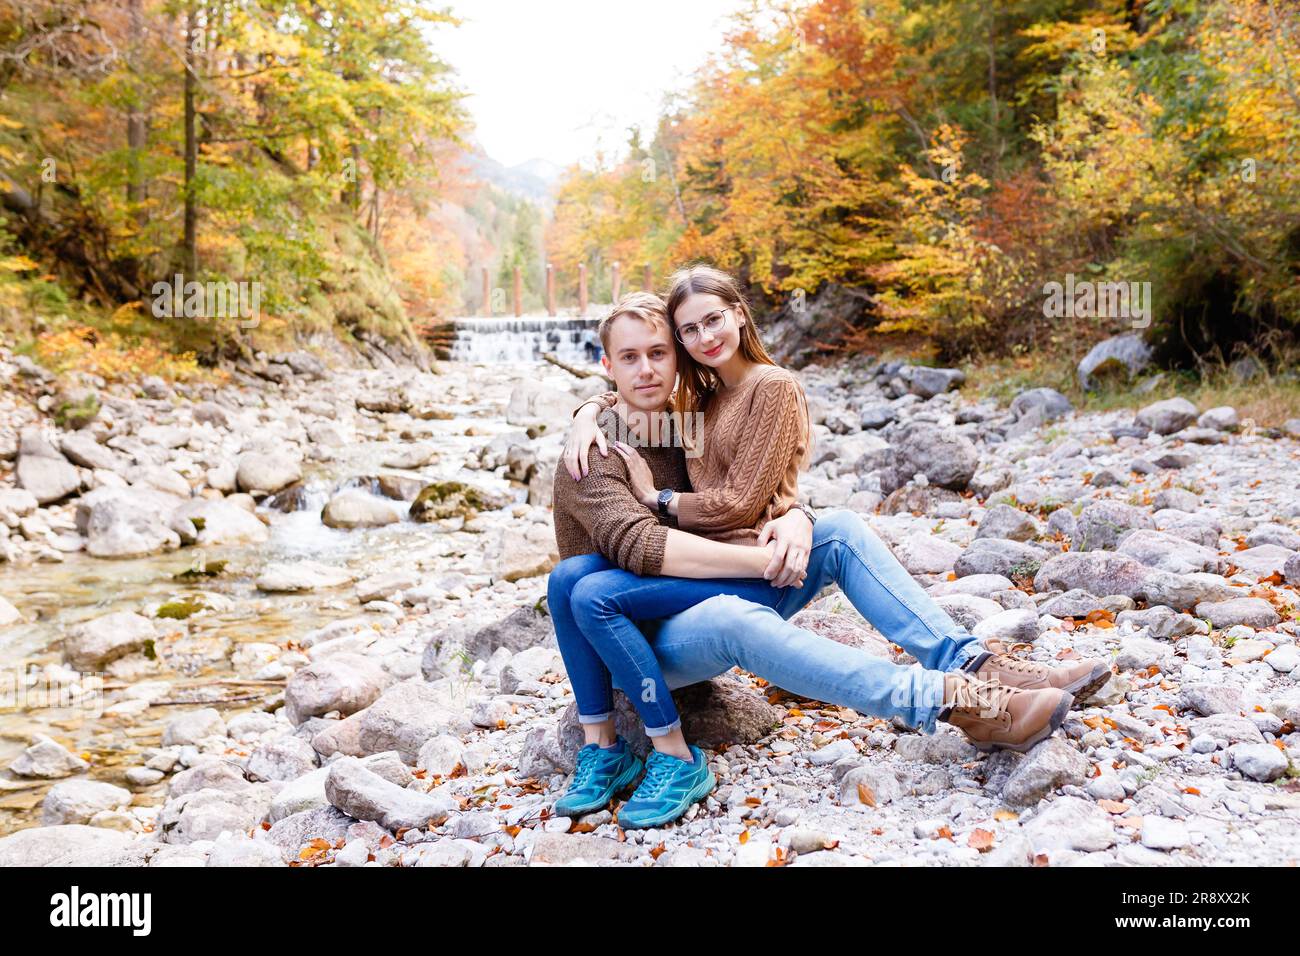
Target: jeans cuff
[
  {"x": 595, "y": 718},
  {"x": 662, "y": 731}
]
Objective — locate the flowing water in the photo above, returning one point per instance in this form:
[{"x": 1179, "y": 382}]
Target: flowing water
[
  {"x": 571, "y": 340},
  {"x": 194, "y": 656}
]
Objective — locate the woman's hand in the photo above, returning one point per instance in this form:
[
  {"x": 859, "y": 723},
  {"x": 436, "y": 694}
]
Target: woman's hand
[
  {"x": 791, "y": 537},
  {"x": 638, "y": 472},
  {"x": 583, "y": 432}
]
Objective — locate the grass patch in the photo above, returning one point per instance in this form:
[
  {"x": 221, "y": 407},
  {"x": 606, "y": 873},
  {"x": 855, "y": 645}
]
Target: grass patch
[{"x": 1269, "y": 400}]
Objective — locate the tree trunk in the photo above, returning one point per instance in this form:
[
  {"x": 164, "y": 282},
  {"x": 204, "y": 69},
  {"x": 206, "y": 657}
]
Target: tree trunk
[
  {"x": 190, "y": 245},
  {"x": 135, "y": 119}
]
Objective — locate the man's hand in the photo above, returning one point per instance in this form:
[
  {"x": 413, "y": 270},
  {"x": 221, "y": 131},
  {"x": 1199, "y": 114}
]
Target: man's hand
[
  {"x": 582, "y": 434},
  {"x": 639, "y": 476},
  {"x": 791, "y": 538}
]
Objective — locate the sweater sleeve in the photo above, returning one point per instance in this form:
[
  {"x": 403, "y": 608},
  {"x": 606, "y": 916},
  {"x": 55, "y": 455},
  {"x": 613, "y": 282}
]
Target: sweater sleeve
[
  {"x": 622, "y": 529},
  {"x": 603, "y": 400},
  {"x": 771, "y": 429}
]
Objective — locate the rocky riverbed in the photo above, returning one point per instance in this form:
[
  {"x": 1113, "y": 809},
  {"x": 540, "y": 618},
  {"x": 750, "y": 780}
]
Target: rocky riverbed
[{"x": 299, "y": 619}]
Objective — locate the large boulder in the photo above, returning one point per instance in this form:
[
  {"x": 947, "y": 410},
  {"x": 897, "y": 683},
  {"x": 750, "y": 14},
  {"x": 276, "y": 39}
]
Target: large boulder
[
  {"x": 1102, "y": 525},
  {"x": 93, "y": 645},
  {"x": 47, "y": 759},
  {"x": 127, "y": 522},
  {"x": 259, "y": 471},
  {"x": 1046, "y": 404},
  {"x": 76, "y": 801},
  {"x": 358, "y": 509},
  {"x": 715, "y": 714},
  {"x": 40, "y": 846},
  {"x": 206, "y": 814},
  {"x": 405, "y": 717},
  {"x": 454, "y": 499},
  {"x": 1167, "y": 417},
  {"x": 1048, "y": 766},
  {"x": 928, "y": 382},
  {"x": 342, "y": 682},
  {"x": 1004, "y": 521},
  {"x": 1126, "y": 353},
  {"x": 946, "y": 458},
  {"x": 1157, "y": 549},
  {"x": 365, "y": 795},
  {"x": 1097, "y": 572},
  {"x": 81, "y": 449},
  {"x": 219, "y": 522},
  {"x": 43, "y": 470}
]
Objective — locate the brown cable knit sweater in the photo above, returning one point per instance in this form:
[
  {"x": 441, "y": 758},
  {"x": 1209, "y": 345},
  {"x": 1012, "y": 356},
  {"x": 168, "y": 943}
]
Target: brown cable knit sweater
[
  {"x": 601, "y": 514},
  {"x": 754, "y": 439}
]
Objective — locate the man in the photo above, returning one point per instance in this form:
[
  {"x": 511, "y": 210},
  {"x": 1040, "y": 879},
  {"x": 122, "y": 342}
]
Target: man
[{"x": 600, "y": 523}]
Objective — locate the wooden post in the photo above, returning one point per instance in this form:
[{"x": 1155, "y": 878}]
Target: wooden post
[
  {"x": 550, "y": 289},
  {"x": 519, "y": 292},
  {"x": 487, "y": 293},
  {"x": 616, "y": 282},
  {"x": 647, "y": 279},
  {"x": 582, "y": 288}
]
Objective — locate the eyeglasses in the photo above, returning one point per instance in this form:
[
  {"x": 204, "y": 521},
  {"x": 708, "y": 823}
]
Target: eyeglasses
[{"x": 711, "y": 323}]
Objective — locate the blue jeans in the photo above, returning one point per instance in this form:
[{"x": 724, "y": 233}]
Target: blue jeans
[{"x": 717, "y": 624}]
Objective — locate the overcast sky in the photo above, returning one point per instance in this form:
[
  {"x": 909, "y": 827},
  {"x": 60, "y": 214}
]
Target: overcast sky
[{"x": 557, "y": 79}]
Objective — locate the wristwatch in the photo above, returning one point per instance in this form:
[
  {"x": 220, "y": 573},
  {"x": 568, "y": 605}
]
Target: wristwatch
[
  {"x": 806, "y": 509},
  {"x": 665, "y": 498}
]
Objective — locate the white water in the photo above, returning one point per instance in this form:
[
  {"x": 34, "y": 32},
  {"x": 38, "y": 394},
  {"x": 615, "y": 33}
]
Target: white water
[{"x": 494, "y": 341}]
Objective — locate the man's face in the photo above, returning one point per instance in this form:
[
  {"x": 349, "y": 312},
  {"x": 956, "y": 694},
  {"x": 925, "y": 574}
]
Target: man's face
[{"x": 642, "y": 362}]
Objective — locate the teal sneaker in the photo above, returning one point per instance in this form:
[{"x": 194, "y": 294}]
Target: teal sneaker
[
  {"x": 599, "y": 775},
  {"x": 670, "y": 786}
]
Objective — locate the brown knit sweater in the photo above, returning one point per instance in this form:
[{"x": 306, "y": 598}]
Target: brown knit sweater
[
  {"x": 754, "y": 440},
  {"x": 601, "y": 514}
]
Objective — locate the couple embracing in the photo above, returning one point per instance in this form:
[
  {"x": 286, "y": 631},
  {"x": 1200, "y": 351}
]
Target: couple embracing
[{"x": 686, "y": 551}]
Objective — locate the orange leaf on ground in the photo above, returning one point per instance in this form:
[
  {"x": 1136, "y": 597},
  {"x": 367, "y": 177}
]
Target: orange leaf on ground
[
  {"x": 1112, "y": 806},
  {"x": 866, "y": 795},
  {"x": 981, "y": 840},
  {"x": 1004, "y": 815},
  {"x": 657, "y": 851},
  {"x": 944, "y": 833}
]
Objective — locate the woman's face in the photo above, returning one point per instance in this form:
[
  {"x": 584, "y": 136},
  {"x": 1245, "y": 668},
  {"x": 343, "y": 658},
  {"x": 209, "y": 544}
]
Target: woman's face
[{"x": 715, "y": 348}]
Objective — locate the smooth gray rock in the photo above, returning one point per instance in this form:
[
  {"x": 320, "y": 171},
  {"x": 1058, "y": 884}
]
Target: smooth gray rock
[
  {"x": 362, "y": 794},
  {"x": 1049, "y": 766}
]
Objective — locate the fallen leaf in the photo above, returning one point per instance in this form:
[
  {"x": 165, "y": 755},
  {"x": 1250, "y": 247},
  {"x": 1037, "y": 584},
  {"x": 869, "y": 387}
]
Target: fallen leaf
[
  {"x": 981, "y": 840},
  {"x": 866, "y": 795},
  {"x": 1112, "y": 806},
  {"x": 1004, "y": 815}
]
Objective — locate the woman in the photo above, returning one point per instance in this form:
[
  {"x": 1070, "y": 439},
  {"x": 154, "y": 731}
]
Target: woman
[{"x": 754, "y": 439}]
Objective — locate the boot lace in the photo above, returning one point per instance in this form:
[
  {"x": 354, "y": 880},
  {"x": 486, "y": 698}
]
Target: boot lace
[
  {"x": 1017, "y": 666},
  {"x": 986, "y": 699}
]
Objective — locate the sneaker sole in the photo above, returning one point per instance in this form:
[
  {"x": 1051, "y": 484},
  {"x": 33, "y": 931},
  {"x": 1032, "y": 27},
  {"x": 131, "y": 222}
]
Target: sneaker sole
[
  {"x": 622, "y": 782},
  {"x": 1086, "y": 686},
  {"x": 1058, "y": 718},
  {"x": 697, "y": 793}
]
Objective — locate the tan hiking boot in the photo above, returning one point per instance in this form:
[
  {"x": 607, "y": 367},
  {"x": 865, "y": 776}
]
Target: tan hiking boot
[
  {"x": 997, "y": 717},
  {"x": 1080, "y": 678}
]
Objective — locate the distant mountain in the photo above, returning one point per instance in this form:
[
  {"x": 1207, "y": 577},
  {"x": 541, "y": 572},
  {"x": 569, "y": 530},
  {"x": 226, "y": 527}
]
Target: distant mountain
[{"x": 533, "y": 180}]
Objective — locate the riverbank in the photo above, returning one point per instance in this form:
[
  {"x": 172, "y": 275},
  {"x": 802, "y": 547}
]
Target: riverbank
[{"x": 354, "y": 685}]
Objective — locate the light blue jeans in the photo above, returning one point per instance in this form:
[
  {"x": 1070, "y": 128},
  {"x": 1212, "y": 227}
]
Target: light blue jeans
[{"x": 745, "y": 623}]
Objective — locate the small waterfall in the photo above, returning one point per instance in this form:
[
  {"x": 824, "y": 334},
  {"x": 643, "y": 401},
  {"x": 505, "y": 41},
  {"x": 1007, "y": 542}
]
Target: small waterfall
[{"x": 490, "y": 341}]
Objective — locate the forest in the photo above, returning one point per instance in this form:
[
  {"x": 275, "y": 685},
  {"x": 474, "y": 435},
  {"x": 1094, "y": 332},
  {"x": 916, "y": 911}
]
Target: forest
[{"x": 930, "y": 168}]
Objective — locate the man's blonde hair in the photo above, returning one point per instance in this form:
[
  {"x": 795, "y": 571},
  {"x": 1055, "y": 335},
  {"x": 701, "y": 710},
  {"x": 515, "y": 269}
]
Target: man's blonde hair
[{"x": 646, "y": 306}]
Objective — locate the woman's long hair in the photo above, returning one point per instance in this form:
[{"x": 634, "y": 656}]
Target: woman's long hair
[{"x": 697, "y": 382}]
